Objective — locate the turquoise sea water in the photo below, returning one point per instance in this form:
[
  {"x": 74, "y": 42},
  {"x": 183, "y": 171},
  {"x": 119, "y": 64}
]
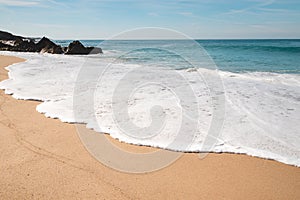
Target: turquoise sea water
[{"x": 280, "y": 56}]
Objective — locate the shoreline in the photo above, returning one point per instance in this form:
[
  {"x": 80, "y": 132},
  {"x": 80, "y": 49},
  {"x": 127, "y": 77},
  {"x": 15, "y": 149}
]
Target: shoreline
[{"x": 44, "y": 158}]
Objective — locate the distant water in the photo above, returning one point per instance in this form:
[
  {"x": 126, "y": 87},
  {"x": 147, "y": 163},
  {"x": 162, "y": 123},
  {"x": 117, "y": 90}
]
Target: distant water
[
  {"x": 280, "y": 56},
  {"x": 135, "y": 84}
]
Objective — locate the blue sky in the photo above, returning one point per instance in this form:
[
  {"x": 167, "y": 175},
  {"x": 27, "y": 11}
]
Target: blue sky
[{"x": 100, "y": 19}]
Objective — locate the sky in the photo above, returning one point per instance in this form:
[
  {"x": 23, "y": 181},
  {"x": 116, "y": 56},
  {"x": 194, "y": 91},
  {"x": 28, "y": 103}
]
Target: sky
[{"x": 199, "y": 19}]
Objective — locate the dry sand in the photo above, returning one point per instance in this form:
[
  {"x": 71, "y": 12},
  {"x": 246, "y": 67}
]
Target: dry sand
[{"x": 43, "y": 158}]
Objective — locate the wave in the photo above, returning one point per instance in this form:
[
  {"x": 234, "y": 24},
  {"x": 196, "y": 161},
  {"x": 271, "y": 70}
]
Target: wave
[{"x": 262, "y": 109}]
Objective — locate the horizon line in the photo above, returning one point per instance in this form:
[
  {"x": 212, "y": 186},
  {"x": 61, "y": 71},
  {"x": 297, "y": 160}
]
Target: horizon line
[{"x": 173, "y": 38}]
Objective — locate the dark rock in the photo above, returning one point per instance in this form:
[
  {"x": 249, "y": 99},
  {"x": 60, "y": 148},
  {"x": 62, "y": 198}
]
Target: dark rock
[
  {"x": 8, "y": 36},
  {"x": 18, "y": 41},
  {"x": 65, "y": 49},
  {"x": 94, "y": 50},
  {"x": 25, "y": 46},
  {"x": 44, "y": 46},
  {"x": 21, "y": 46},
  {"x": 4, "y": 46},
  {"x": 76, "y": 48},
  {"x": 47, "y": 46}
]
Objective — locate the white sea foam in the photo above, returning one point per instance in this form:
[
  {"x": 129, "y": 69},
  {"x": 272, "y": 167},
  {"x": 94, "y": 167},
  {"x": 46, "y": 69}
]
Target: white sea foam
[{"x": 262, "y": 109}]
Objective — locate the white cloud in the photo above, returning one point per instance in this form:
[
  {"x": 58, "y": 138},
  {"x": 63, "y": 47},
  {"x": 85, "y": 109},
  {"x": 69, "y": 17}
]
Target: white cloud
[
  {"x": 19, "y": 3},
  {"x": 186, "y": 14},
  {"x": 153, "y": 14},
  {"x": 258, "y": 6}
]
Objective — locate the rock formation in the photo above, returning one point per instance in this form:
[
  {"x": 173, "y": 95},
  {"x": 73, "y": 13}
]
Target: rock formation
[
  {"x": 47, "y": 46},
  {"x": 8, "y": 36},
  {"x": 10, "y": 42},
  {"x": 76, "y": 48}
]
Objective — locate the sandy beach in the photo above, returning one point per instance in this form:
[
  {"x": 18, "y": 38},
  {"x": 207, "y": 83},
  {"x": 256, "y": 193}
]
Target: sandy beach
[{"x": 43, "y": 158}]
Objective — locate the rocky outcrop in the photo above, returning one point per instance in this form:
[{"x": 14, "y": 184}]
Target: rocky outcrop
[
  {"x": 24, "y": 46},
  {"x": 8, "y": 36},
  {"x": 10, "y": 42},
  {"x": 76, "y": 48},
  {"x": 4, "y": 46},
  {"x": 47, "y": 46}
]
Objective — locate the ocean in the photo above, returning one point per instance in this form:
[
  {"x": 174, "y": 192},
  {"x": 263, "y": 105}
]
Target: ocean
[
  {"x": 273, "y": 55},
  {"x": 238, "y": 96}
]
